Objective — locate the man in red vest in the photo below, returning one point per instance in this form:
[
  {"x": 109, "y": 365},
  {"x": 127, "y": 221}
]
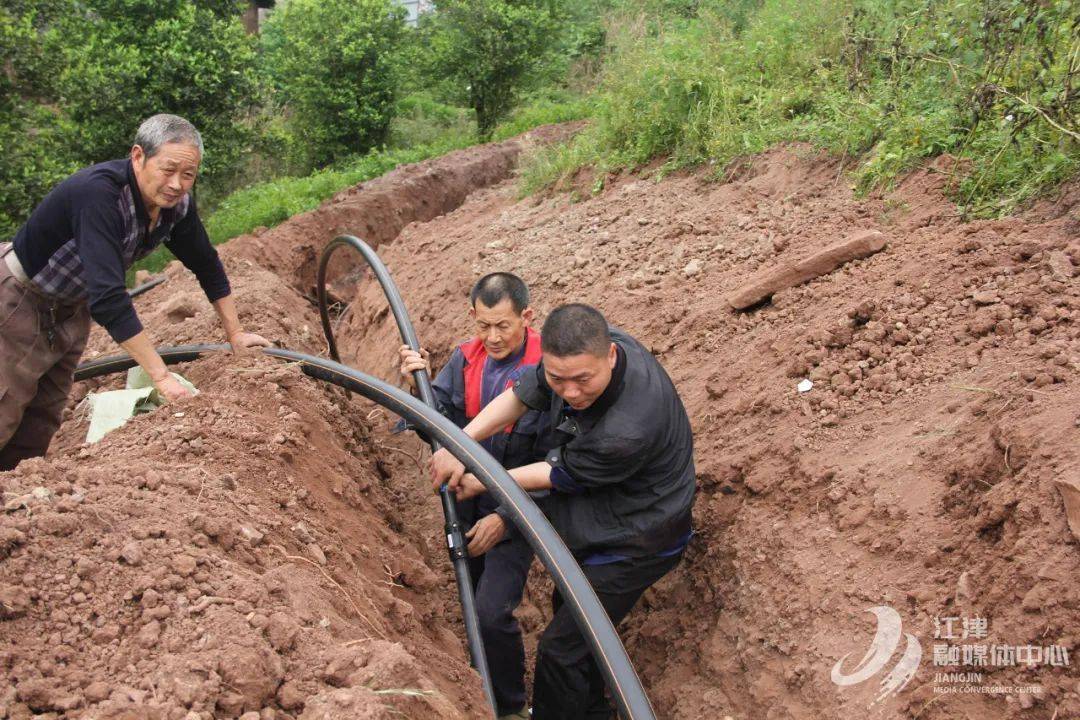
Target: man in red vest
[
  {"x": 505, "y": 347},
  {"x": 620, "y": 479}
]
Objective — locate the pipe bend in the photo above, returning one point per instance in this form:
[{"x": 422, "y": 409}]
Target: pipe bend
[
  {"x": 578, "y": 594},
  {"x": 393, "y": 299}
]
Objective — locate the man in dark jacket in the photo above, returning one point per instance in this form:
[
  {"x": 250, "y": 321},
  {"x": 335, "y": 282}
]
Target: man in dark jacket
[
  {"x": 621, "y": 477},
  {"x": 66, "y": 265},
  {"x": 505, "y": 348}
]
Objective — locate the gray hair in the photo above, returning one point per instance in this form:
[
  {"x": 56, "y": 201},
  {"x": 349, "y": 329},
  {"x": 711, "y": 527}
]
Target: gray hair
[{"x": 161, "y": 129}]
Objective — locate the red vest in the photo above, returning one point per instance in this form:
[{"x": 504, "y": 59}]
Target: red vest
[{"x": 475, "y": 359}]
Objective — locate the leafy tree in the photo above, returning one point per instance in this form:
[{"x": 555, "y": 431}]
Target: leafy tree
[
  {"x": 141, "y": 57},
  {"x": 35, "y": 154},
  {"x": 333, "y": 65},
  {"x": 65, "y": 103},
  {"x": 36, "y": 157},
  {"x": 492, "y": 50}
]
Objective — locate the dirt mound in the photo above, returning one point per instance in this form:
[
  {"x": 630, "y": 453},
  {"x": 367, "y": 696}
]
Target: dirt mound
[
  {"x": 269, "y": 550},
  {"x": 921, "y": 472},
  {"x": 246, "y": 553}
]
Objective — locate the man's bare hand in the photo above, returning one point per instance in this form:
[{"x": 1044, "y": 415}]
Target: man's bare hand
[
  {"x": 411, "y": 361},
  {"x": 467, "y": 487},
  {"x": 243, "y": 341},
  {"x": 171, "y": 389},
  {"x": 486, "y": 534},
  {"x": 445, "y": 468}
]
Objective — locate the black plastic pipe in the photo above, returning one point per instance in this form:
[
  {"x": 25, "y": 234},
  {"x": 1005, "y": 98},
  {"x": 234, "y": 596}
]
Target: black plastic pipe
[
  {"x": 452, "y": 526},
  {"x": 571, "y": 582}
]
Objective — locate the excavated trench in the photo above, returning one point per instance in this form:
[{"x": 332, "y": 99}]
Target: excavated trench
[{"x": 270, "y": 548}]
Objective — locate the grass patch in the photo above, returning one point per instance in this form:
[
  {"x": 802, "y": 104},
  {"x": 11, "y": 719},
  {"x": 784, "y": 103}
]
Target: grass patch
[
  {"x": 888, "y": 83},
  {"x": 420, "y": 119},
  {"x": 543, "y": 110}
]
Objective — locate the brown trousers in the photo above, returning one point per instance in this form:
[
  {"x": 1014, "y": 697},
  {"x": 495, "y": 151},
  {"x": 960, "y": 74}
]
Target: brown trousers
[{"x": 41, "y": 342}]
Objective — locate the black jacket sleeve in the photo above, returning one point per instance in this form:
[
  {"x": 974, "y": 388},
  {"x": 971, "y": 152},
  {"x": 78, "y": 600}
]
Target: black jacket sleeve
[
  {"x": 191, "y": 246},
  {"x": 99, "y": 233},
  {"x": 532, "y": 389}
]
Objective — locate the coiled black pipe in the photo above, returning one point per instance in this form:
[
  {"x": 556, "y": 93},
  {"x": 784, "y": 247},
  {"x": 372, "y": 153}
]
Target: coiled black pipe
[
  {"x": 571, "y": 582},
  {"x": 452, "y": 527}
]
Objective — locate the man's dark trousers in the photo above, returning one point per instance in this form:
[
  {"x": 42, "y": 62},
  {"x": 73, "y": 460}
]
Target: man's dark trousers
[
  {"x": 568, "y": 684},
  {"x": 499, "y": 576},
  {"x": 40, "y": 346}
]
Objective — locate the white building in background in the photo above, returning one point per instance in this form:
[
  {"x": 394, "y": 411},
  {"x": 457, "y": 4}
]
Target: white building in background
[{"x": 415, "y": 8}]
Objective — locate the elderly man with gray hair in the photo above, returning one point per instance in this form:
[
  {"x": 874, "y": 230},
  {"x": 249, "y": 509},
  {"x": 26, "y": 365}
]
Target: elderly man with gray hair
[{"x": 66, "y": 265}]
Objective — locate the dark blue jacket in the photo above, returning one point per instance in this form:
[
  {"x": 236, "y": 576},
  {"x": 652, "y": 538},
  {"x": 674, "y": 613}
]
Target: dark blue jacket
[
  {"x": 522, "y": 446},
  {"x": 80, "y": 240},
  {"x": 525, "y": 444}
]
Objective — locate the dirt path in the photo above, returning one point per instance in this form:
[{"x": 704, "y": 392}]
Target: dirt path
[{"x": 269, "y": 548}]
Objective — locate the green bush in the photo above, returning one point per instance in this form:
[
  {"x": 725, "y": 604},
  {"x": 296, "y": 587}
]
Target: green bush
[
  {"x": 889, "y": 82},
  {"x": 333, "y": 66},
  {"x": 543, "y": 109},
  {"x": 696, "y": 90},
  {"x": 65, "y": 104},
  {"x": 32, "y": 136},
  {"x": 420, "y": 119},
  {"x": 991, "y": 83},
  {"x": 29, "y": 168},
  {"x": 29, "y": 45}
]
